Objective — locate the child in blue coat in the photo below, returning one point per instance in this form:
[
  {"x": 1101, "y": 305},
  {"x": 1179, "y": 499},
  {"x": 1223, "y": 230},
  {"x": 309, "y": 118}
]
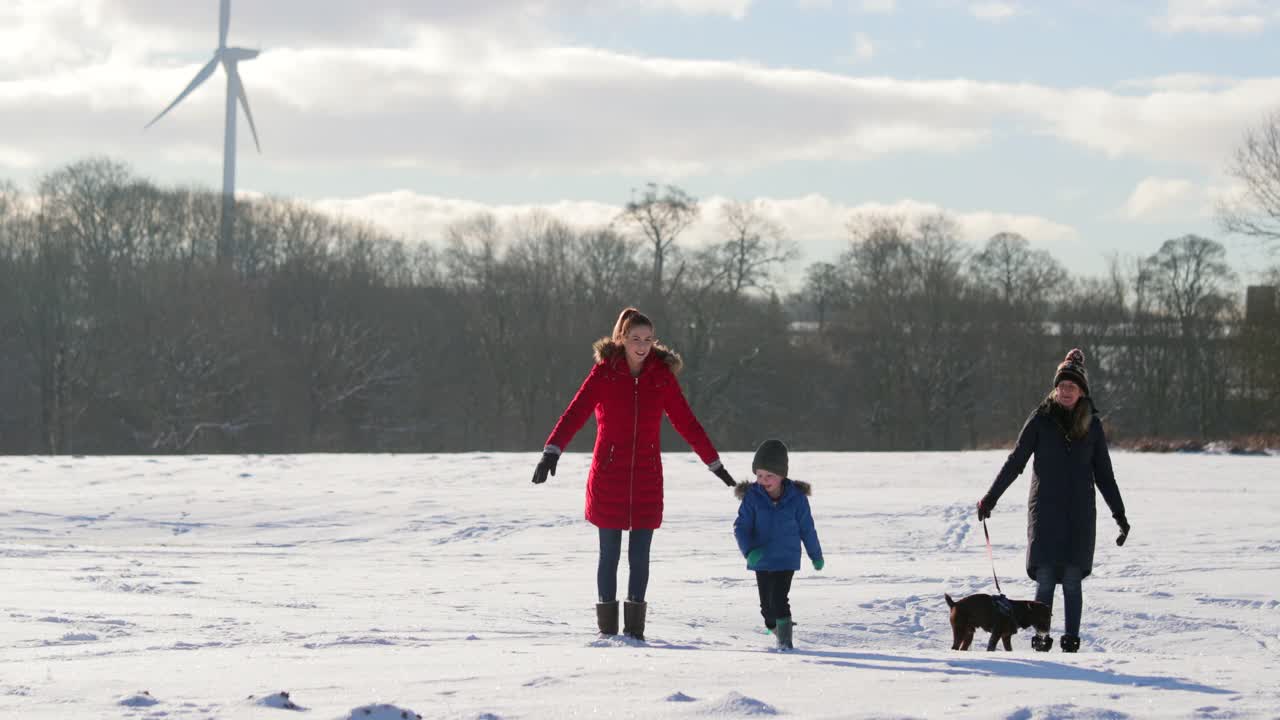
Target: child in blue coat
[{"x": 773, "y": 520}]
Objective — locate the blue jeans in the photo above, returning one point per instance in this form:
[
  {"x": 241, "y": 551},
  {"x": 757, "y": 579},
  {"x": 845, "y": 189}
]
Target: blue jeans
[
  {"x": 1047, "y": 578},
  {"x": 637, "y": 560}
]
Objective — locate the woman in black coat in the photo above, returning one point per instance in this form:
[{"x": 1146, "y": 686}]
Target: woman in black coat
[{"x": 1066, "y": 437}]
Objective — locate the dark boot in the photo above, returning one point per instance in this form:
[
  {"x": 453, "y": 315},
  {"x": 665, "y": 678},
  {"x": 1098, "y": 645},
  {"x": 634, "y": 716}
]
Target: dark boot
[
  {"x": 783, "y": 634},
  {"x": 1042, "y": 643},
  {"x": 1069, "y": 643},
  {"x": 607, "y": 617},
  {"x": 633, "y": 619}
]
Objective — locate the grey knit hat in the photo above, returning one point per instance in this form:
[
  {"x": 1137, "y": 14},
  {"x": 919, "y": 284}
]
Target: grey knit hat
[{"x": 771, "y": 456}]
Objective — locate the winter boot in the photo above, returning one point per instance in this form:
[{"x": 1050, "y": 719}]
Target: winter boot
[
  {"x": 1069, "y": 643},
  {"x": 1042, "y": 643},
  {"x": 782, "y": 633},
  {"x": 633, "y": 619},
  {"x": 607, "y": 617}
]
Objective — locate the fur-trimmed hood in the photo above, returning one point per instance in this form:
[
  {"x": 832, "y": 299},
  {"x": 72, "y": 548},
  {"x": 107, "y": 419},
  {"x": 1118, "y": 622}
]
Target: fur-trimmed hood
[
  {"x": 1074, "y": 422},
  {"x": 740, "y": 490},
  {"x": 605, "y": 350}
]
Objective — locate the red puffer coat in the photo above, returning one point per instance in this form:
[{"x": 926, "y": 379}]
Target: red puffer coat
[{"x": 624, "y": 487}]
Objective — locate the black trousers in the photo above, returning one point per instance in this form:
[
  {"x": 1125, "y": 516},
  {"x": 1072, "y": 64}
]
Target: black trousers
[
  {"x": 774, "y": 587},
  {"x": 1047, "y": 577}
]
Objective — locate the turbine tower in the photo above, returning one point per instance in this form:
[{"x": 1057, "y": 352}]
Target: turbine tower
[{"x": 230, "y": 58}]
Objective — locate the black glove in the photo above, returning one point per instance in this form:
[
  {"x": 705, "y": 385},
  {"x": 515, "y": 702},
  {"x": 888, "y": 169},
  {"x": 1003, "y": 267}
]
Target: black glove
[
  {"x": 1124, "y": 530},
  {"x": 985, "y": 505},
  {"x": 725, "y": 476},
  {"x": 546, "y": 465}
]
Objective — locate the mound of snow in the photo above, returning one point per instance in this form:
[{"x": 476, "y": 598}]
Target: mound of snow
[
  {"x": 278, "y": 700},
  {"x": 381, "y": 712},
  {"x": 679, "y": 697},
  {"x": 142, "y": 699},
  {"x": 617, "y": 641},
  {"x": 737, "y": 704},
  {"x": 79, "y": 637}
]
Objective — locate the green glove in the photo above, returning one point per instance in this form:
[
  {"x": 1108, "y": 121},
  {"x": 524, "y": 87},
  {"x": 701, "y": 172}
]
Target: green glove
[
  {"x": 817, "y": 564},
  {"x": 754, "y": 556}
]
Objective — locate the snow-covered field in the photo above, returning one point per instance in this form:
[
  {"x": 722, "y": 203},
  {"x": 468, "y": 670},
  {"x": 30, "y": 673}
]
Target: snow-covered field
[{"x": 449, "y": 586}]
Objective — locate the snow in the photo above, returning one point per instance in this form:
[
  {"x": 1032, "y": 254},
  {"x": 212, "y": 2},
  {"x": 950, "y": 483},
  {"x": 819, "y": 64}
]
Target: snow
[{"x": 451, "y": 587}]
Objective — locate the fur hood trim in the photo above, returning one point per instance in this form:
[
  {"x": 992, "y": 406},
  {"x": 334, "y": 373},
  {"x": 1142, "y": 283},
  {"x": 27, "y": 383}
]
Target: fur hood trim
[
  {"x": 605, "y": 349},
  {"x": 740, "y": 490}
]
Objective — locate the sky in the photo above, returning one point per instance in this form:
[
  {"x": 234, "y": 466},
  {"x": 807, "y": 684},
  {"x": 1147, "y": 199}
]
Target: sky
[{"x": 1093, "y": 128}]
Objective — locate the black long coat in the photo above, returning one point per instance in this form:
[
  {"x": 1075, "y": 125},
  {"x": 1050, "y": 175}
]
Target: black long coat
[{"x": 1061, "y": 507}]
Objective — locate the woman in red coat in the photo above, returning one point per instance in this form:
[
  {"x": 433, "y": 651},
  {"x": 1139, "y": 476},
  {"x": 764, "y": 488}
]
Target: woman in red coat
[{"x": 631, "y": 386}]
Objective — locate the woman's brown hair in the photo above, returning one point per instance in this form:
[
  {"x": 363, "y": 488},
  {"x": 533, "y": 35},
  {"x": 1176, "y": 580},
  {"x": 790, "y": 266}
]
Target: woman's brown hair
[{"x": 627, "y": 319}]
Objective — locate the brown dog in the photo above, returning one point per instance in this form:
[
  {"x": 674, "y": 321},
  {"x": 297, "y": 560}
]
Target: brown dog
[{"x": 984, "y": 611}]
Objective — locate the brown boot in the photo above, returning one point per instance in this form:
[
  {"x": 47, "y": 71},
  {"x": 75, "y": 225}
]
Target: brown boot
[
  {"x": 633, "y": 619},
  {"x": 607, "y": 617}
]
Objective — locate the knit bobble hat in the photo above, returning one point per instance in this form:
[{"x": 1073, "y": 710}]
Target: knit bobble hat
[{"x": 1072, "y": 368}]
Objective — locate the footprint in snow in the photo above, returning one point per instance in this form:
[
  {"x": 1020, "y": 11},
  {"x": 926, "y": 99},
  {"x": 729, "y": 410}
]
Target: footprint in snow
[{"x": 280, "y": 701}]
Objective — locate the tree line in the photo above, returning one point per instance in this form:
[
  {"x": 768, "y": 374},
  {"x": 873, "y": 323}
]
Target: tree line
[{"x": 120, "y": 332}]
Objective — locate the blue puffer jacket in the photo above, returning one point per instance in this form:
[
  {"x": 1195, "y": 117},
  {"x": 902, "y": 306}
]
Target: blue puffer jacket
[{"x": 776, "y": 527}]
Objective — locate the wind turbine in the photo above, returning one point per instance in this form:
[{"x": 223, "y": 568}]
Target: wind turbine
[{"x": 230, "y": 58}]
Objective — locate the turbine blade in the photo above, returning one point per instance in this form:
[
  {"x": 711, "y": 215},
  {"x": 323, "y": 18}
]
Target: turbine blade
[
  {"x": 244, "y": 102},
  {"x": 200, "y": 77},
  {"x": 224, "y": 22}
]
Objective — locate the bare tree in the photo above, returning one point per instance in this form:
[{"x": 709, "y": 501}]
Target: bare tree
[
  {"x": 1189, "y": 277},
  {"x": 1021, "y": 276},
  {"x": 609, "y": 268},
  {"x": 755, "y": 247},
  {"x": 1257, "y": 166},
  {"x": 823, "y": 290},
  {"x": 661, "y": 214}
]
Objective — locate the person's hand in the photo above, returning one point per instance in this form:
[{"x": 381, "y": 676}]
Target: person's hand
[
  {"x": 753, "y": 557},
  {"x": 724, "y": 475},
  {"x": 1124, "y": 530},
  {"x": 819, "y": 564},
  {"x": 984, "y": 508},
  {"x": 546, "y": 465}
]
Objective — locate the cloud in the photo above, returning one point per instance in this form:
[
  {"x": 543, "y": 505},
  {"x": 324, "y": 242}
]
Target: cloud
[
  {"x": 1163, "y": 199},
  {"x": 994, "y": 10},
  {"x": 863, "y": 49},
  {"x": 878, "y": 7},
  {"x": 465, "y": 95},
  {"x": 17, "y": 158},
  {"x": 1180, "y": 83},
  {"x": 1216, "y": 16}
]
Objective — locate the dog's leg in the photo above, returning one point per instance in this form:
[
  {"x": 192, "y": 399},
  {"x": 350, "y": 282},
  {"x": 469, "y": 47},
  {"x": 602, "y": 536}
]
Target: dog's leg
[
  {"x": 995, "y": 638},
  {"x": 968, "y": 639},
  {"x": 1008, "y": 642},
  {"x": 956, "y": 637}
]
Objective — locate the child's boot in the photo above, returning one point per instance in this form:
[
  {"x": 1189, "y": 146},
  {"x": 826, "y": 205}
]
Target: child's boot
[
  {"x": 783, "y": 634},
  {"x": 633, "y": 619},
  {"x": 607, "y": 617},
  {"x": 1069, "y": 643}
]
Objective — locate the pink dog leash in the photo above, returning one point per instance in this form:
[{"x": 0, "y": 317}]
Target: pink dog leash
[{"x": 992, "y": 558}]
